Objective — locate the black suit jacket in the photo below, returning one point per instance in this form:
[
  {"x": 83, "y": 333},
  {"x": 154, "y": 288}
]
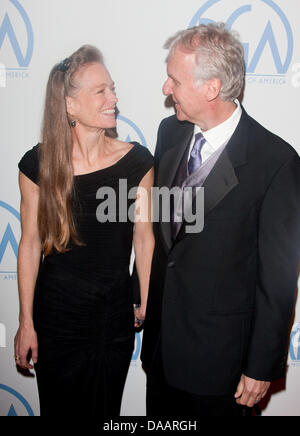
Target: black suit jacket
[{"x": 221, "y": 300}]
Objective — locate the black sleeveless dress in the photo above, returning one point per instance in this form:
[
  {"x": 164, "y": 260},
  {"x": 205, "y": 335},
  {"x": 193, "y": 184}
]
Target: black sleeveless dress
[{"x": 83, "y": 305}]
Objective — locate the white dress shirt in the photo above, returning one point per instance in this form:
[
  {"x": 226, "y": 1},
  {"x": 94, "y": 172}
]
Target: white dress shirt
[{"x": 217, "y": 136}]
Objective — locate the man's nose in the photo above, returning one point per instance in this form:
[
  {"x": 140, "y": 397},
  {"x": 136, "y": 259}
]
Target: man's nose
[{"x": 167, "y": 88}]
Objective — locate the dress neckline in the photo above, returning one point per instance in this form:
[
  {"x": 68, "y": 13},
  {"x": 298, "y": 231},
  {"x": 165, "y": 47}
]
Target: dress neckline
[{"x": 110, "y": 166}]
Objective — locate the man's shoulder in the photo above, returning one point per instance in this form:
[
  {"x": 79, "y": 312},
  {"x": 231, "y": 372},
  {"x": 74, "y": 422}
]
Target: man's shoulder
[
  {"x": 267, "y": 142},
  {"x": 172, "y": 123}
]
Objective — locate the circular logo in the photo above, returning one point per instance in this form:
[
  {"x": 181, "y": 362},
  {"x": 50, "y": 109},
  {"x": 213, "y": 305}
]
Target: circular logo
[
  {"x": 268, "y": 49},
  {"x": 128, "y": 131},
  {"x": 13, "y": 403},
  {"x": 295, "y": 344},
  {"x": 137, "y": 347},
  {"x": 17, "y": 35},
  {"x": 10, "y": 233}
]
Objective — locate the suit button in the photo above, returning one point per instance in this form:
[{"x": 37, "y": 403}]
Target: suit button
[{"x": 171, "y": 264}]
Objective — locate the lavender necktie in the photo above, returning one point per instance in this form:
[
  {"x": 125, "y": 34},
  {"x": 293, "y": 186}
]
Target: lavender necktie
[{"x": 195, "y": 160}]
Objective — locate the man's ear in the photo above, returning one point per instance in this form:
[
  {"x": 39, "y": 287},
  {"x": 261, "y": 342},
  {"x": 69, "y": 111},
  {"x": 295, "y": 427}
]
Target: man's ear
[{"x": 213, "y": 88}]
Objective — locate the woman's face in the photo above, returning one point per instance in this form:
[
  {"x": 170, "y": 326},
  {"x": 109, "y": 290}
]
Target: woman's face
[{"x": 94, "y": 102}]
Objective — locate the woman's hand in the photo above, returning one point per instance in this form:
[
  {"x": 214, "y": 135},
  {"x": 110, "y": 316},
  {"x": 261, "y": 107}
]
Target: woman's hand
[
  {"x": 26, "y": 346},
  {"x": 139, "y": 315}
]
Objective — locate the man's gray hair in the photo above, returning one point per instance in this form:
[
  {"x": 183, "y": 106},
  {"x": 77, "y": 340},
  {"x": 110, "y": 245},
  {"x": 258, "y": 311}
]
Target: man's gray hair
[{"x": 219, "y": 54}]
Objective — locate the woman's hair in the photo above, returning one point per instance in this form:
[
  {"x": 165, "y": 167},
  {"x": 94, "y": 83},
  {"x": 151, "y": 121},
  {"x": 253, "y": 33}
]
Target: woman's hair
[
  {"x": 55, "y": 219},
  {"x": 219, "y": 54}
]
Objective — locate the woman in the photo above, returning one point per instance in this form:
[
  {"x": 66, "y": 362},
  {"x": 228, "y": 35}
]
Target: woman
[{"x": 76, "y": 303}]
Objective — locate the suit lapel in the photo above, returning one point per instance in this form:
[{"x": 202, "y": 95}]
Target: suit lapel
[
  {"x": 220, "y": 181},
  {"x": 171, "y": 159},
  {"x": 222, "y": 178},
  {"x": 169, "y": 164}
]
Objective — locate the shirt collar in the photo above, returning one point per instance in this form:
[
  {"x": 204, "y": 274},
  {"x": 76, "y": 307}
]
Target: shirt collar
[{"x": 221, "y": 133}]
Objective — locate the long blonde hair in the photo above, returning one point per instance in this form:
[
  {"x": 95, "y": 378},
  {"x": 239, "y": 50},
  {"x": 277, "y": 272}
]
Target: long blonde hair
[{"x": 55, "y": 218}]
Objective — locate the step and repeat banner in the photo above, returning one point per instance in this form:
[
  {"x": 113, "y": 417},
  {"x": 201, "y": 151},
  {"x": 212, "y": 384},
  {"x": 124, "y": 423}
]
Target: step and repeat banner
[{"x": 35, "y": 34}]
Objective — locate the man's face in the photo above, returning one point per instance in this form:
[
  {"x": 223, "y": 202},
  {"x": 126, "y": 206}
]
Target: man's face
[{"x": 189, "y": 99}]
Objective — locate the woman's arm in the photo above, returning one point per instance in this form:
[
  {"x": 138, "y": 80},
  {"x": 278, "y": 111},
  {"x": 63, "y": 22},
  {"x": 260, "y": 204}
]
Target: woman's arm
[
  {"x": 28, "y": 265},
  {"x": 143, "y": 241}
]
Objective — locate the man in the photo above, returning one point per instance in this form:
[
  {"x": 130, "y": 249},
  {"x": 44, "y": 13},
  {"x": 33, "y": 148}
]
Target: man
[{"x": 220, "y": 300}]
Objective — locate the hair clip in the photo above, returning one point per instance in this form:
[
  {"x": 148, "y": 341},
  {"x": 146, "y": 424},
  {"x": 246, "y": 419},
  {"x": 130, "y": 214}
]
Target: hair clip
[{"x": 64, "y": 65}]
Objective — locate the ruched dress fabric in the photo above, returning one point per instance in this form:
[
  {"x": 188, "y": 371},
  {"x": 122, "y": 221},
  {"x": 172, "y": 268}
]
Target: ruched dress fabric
[{"x": 83, "y": 304}]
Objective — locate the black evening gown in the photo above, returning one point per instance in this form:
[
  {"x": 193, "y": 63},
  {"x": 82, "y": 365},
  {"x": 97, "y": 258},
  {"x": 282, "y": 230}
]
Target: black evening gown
[{"x": 83, "y": 305}]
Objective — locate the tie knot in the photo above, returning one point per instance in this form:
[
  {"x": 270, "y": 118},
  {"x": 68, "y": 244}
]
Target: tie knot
[
  {"x": 199, "y": 139},
  {"x": 195, "y": 160},
  {"x": 198, "y": 144}
]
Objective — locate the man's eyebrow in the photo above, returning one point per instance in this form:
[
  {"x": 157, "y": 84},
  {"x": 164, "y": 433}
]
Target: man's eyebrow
[{"x": 173, "y": 78}]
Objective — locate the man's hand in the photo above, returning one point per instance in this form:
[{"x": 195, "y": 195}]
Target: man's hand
[{"x": 249, "y": 391}]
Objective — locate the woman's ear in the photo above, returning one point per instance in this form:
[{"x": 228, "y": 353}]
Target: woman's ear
[{"x": 70, "y": 105}]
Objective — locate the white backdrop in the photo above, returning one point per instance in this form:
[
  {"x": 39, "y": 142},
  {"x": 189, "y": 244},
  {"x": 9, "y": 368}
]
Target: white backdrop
[{"x": 35, "y": 34}]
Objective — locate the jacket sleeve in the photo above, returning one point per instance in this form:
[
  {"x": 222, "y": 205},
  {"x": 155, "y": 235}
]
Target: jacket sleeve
[{"x": 277, "y": 272}]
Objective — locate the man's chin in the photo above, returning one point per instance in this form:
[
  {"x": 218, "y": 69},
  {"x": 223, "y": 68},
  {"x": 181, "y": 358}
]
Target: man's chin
[{"x": 180, "y": 115}]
